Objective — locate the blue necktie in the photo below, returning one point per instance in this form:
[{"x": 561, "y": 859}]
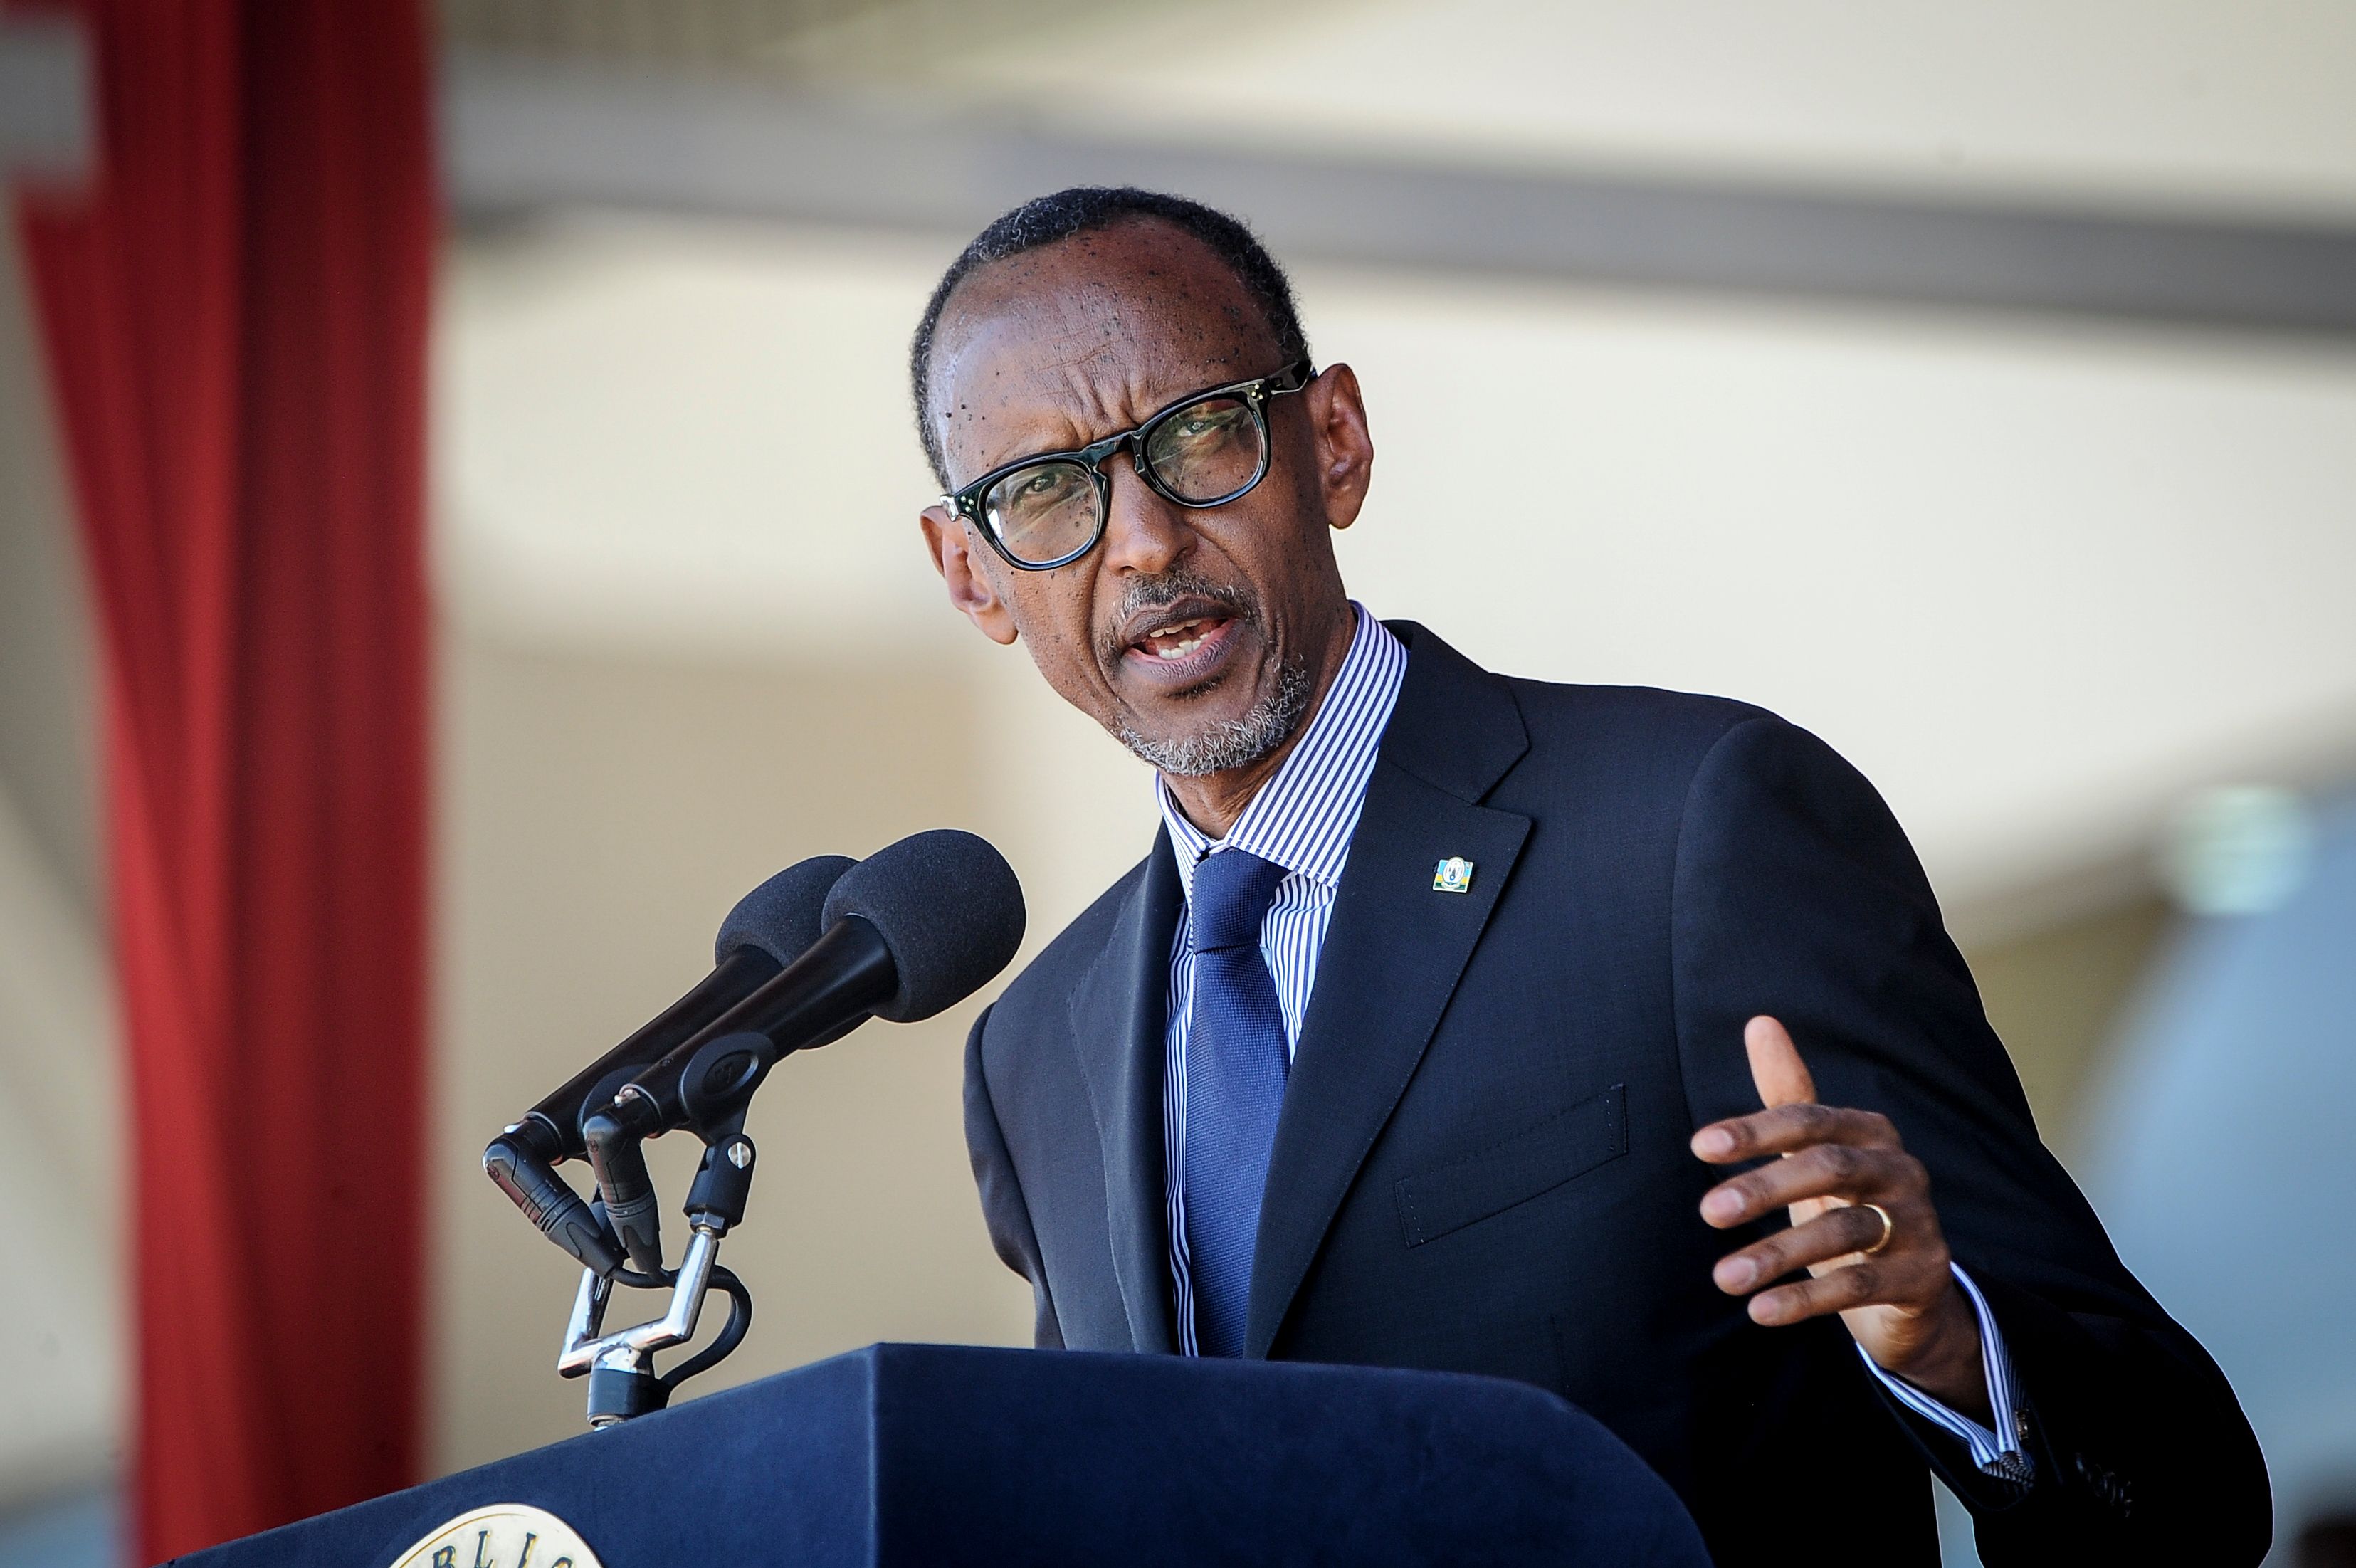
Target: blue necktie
[{"x": 1235, "y": 1066}]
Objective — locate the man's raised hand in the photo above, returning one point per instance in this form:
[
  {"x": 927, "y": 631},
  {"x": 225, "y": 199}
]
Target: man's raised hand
[{"x": 1895, "y": 1294}]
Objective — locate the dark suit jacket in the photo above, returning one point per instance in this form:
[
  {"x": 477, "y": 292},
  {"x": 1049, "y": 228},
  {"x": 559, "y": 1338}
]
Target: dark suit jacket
[{"x": 1481, "y": 1164}]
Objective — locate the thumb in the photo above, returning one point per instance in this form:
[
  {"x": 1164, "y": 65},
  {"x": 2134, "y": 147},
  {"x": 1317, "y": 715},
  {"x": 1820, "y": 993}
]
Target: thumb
[{"x": 1776, "y": 1065}]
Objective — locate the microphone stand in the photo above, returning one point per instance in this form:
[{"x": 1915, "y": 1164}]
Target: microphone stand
[
  {"x": 623, "y": 1383},
  {"x": 619, "y": 1366},
  {"x": 703, "y": 1086}
]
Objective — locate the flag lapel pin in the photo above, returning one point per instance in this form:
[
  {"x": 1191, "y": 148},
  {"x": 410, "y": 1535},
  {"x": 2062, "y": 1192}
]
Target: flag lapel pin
[{"x": 1453, "y": 875}]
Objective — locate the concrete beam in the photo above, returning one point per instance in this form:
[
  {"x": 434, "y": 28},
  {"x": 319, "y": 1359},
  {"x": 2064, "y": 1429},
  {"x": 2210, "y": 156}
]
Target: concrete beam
[{"x": 523, "y": 134}]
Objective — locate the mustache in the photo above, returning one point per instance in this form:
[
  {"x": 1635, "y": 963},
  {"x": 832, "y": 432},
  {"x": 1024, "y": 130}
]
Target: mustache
[{"x": 1167, "y": 588}]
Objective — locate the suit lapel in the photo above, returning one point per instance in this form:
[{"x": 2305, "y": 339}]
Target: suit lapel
[
  {"x": 1118, "y": 1024},
  {"x": 1392, "y": 954}
]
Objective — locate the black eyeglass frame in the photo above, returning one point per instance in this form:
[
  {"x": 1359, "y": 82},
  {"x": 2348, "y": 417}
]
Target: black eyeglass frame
[{"x": 966, "y": 500}]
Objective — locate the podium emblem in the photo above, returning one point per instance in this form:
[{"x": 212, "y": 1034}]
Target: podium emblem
[{"x": 504, "y": 1535}]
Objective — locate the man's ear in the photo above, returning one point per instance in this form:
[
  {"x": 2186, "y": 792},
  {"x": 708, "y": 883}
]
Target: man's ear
[
  {"x": 1344, "y": 448},
  {"x": 957, "y": 558}
]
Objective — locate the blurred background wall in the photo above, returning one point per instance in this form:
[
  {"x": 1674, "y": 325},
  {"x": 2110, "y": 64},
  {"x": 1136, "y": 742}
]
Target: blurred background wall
[{"x": 2053, "y": 548}]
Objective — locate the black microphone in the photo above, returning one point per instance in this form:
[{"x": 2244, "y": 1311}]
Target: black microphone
[
  {"x": 914, "y": 929},
  {"x": 769, "y": 928}
]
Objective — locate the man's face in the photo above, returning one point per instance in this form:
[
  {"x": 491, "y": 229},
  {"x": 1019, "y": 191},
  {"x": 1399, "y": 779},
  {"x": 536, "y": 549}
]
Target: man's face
[{"x": 1198, "y": 638}]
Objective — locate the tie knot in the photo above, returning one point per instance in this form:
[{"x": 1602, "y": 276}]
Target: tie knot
[{"x": 1230, "y": 898}]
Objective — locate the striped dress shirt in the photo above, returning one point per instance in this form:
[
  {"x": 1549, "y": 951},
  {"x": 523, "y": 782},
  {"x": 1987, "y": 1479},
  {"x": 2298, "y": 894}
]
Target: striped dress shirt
[{"x": 1302, "y": 820}]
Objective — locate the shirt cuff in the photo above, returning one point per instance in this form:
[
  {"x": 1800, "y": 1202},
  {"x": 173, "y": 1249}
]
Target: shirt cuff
[{"x": 1995, "y": 1453}]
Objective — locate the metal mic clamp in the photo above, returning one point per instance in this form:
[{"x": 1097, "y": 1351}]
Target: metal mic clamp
[
  {"x": 722, "y": 1184},
  {"x": 615, "y": 1137},
  {"x": 620, "y": 1365}
]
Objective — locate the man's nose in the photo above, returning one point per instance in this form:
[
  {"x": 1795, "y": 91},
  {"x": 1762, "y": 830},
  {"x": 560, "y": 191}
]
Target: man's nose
[{"x": 1144, "y": 532}]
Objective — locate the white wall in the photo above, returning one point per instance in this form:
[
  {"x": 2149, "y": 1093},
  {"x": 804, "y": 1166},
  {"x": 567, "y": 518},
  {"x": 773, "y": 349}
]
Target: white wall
[
  {"x": 61, "y": 1135},
  {"x": 2037, "y": 579},
  {"x": 61, "y": 1292}
]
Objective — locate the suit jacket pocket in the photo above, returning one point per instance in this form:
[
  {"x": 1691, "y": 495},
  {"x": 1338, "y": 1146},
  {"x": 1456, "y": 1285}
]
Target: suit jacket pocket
[{"x": 1528, "y": 1165}]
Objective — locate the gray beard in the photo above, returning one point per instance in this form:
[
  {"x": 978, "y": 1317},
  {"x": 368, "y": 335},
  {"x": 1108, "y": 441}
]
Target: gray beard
[{"x": 1231, "y": 743}]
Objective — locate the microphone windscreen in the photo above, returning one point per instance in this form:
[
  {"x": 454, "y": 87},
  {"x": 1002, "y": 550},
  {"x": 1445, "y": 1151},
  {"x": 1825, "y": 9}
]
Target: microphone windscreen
[
  {"x": 949, "y": 909},
  {"x": 784, "y": 915}
]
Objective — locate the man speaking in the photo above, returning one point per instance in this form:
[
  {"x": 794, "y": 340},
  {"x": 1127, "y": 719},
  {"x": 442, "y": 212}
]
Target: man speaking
[{"x": 1605, "y": 1038}]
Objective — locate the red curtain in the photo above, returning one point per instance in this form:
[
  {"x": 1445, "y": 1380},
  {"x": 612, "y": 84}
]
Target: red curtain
[{"x": 234, "y": 315}]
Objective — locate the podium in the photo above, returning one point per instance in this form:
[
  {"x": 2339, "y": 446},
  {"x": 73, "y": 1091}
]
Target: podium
[{"x": 924, "y": 1454}]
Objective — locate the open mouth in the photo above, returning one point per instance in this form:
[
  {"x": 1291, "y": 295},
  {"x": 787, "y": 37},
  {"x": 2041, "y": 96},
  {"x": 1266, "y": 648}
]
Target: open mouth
[
  {"x": 1182, "y": 645},
  {"x": 1178, "y": 640}
]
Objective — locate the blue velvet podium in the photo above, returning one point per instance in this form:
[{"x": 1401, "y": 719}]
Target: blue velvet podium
[{"x": 922, "y": 1453}]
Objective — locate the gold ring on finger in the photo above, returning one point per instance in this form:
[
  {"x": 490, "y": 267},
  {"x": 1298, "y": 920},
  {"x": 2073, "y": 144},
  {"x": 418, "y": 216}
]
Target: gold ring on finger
[{"x": 1889, "y": 1229}]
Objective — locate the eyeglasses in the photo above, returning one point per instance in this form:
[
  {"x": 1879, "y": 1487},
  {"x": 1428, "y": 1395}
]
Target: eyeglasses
[{"x": 1204, "y": 450}]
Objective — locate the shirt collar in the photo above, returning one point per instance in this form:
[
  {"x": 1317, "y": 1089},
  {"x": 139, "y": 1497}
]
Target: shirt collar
[{"x": 1303, "y": 817}]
